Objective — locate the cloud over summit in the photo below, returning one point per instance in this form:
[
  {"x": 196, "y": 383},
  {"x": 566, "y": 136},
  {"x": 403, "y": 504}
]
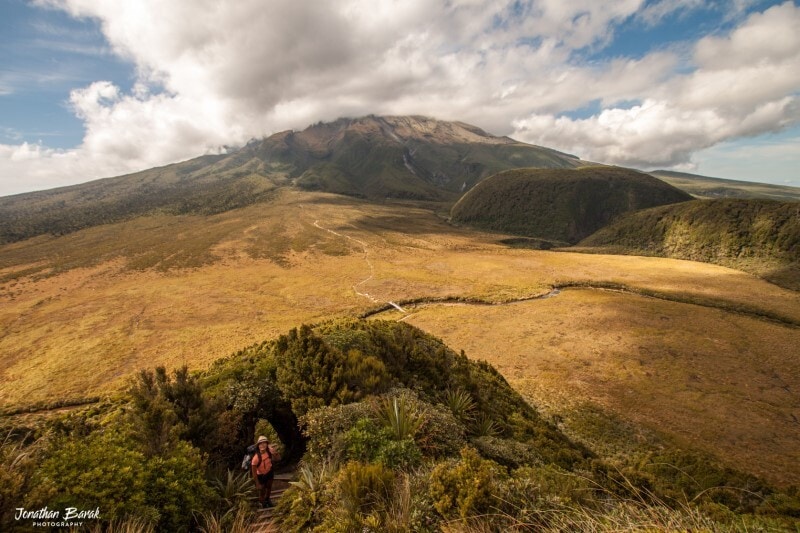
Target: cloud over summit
[{"x": 210, "y": 74}]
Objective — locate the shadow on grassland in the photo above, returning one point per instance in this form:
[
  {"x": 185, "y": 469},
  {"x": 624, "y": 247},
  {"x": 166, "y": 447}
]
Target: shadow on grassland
[
  {"x": 719, "y": 381},
  {"x": 787, "y": 277}
]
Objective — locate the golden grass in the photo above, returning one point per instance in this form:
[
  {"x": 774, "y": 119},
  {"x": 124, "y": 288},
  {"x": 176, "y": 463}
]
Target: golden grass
[
  {"x": 81, "y": 313},
  {"x": 715, "y": 381}
]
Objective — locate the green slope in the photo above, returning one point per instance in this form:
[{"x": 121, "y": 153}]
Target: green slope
[
  {"x": 561, "y": 205},
  {"x": 206, "y": 185},
  {"x": 758, "y": 236}
]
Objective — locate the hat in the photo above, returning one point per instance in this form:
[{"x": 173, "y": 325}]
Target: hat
[{"x": 262, "y": 439}]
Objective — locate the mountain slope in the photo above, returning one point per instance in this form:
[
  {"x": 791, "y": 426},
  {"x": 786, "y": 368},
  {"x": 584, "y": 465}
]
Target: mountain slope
[
  {"x": 563, "y": 205},
  {"x": 371, "y": 157},
  {"x": 206, "y": 185},
  {"x": 758, "y": 236},
  {"x": 399, "y": 157},
  {"x": 706, "y": 187}
]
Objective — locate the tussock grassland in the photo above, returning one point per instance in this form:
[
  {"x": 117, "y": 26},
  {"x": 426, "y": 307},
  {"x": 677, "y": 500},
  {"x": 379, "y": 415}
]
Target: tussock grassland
[
  {"x": 713, "y": 381},
  {"x": 79, "y": 314}
]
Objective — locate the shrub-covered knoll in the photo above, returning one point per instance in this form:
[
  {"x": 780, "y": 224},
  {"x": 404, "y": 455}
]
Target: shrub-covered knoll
[
  {"x": 760, "y": 236},
  {"x": 396, "y": 432},
  {"x": 561, "y": 205}
]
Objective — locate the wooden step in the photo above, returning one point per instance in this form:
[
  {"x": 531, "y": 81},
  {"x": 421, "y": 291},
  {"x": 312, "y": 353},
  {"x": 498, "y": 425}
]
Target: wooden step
[{"x": 262, "y": 522}]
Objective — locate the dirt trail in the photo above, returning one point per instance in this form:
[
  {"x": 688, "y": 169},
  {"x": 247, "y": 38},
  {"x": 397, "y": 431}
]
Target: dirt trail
[
  {"x": 752, "y": 312},
  {"x": 365, "y": 249}
]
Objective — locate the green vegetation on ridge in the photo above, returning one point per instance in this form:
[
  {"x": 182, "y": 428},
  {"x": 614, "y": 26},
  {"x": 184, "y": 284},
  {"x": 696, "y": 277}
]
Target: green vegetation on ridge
[
  {"x": 561, "y": 205},
  {"x": 759, "y": 236},
  {"x": 206, "y": 185}
]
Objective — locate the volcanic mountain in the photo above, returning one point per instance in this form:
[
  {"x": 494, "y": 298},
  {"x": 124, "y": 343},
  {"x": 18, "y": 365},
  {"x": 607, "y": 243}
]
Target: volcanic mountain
[{"x": 376, "y": 158}]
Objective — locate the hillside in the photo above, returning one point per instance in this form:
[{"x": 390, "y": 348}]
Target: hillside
[
  {"x": 562, "y": 205},
  {"x": 706, "y": 187},
  {"x": 371, "y": 157},
  {"x": 206, "y": 185},
  {"x": 396, "y": 431},
  {"x": 758, "y": 236}
]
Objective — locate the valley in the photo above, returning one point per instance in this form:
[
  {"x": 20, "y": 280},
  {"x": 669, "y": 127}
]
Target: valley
[{"x": 83, "y": 312}]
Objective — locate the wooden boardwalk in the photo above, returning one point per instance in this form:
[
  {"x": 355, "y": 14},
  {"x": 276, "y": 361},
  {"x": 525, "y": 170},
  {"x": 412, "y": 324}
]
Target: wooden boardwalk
[{"x": 263, "y": 521}]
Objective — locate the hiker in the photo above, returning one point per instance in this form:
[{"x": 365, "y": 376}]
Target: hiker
[{"x": 263, "y": 470}]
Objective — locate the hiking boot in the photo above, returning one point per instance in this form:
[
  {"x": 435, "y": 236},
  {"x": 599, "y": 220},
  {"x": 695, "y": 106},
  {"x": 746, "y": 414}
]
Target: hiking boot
[{"x": 267, "y": 504}]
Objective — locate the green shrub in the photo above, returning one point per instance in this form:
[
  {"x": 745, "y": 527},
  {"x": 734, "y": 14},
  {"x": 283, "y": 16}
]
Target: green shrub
[
  {"x": 312, "y": 374},
  {"x": 465, "y": 487},
  {"x": 362, "y": 441},
  {"x": 362, "y": 487},
  {"x": 105, "y": 469},
  {"x": 436, "y": 431},
  {"x": 399, "y": 454},
  {"x": 165, "y": 409},
  {"x": 303, "y": 504},
  {"x": 100, "y": 470},
  {"x": 362, "y": 491},
  {"x": 368, "y": 442},
  {"x": 176, "y": 485},
  {"x": 442, "y": 435},
  {"x": 507, "y": 452},
  {"x": 325, "y": 426},
  {"x": 399, "y": 416}
]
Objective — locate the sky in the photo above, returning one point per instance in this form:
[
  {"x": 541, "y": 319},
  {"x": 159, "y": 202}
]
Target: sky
[{"x": 93, "y": 88}]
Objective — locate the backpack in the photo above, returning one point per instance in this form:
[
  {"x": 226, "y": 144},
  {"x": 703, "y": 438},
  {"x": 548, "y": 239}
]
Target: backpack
[
  {"x": 252, "y": 450},
  {"x": 248, "y": 456}
]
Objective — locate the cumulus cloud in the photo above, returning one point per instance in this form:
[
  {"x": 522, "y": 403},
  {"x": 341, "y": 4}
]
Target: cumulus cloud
[
  {"x": 211, "y": 74},
  {"x": 743, "y": 84},
  {"x": 655, "y": 133}
]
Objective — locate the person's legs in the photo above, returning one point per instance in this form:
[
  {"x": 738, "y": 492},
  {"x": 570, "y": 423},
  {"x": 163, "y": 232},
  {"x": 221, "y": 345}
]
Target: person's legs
[
  {"x": 263, "y": 491},
  {"x": 268, "y": 486}
]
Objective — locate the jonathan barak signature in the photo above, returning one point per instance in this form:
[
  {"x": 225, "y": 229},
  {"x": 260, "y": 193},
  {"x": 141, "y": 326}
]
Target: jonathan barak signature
[{"x": 45, "y": 517}]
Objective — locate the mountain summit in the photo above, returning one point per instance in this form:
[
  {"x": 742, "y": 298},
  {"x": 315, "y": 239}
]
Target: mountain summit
[
  {"x": 397, "y": 157},
  {"x": 372, "y": 157}
]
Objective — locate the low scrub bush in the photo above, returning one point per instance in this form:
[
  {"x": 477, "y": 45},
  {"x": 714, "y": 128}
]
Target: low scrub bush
[
  {"x": 507, "y": 452},
  {"x": 465, "y": 487}
]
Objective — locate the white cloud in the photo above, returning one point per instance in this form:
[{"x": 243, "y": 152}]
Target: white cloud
[
  {"x": 769, "y": 38},
  {"x": 212, "y": 74},
  {"x": 744, "y": 85},
  {"x": 654, "y": 133}
]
